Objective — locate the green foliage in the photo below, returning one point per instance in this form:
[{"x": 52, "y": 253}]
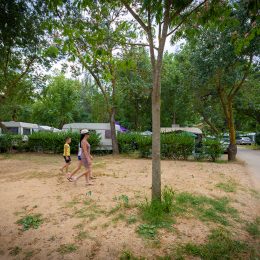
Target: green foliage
[
  {"x": 59, "y": 103},
  {"x": 207, "y": 209},
  {"x": 175, "y": 146},
  {"x": 253, "y": 228},
  {"x": 10, "y": 141},
  {"x": 213, "y": 149},
  {"x": 67, "y": 249},
  {"x": 54, "y": 142},
  {"x": 220, "y": 245},
  {"x": 30, "y": 221},
  {"x": 257, "y": 138},
  {"x": 147, "y": 231}
]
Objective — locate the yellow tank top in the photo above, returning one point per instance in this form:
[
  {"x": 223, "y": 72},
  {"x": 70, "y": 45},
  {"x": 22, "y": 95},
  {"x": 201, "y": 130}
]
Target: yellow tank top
[{"x": 66, "y": 147}]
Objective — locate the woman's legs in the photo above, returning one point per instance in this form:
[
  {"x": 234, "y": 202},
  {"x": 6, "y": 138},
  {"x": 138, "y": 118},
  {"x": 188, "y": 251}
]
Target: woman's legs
[
  {"x": 87, "y": 175},
  {"x": 76, "y": 170}
]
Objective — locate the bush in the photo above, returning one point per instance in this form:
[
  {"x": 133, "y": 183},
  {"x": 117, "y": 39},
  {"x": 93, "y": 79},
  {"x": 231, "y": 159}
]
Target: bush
[
  {"x": 257, "y": 138},
  {"x": 175, "y": 146},
  {"x": 10, "y": 141},
  {"x": 54, "y": 142},
  {"x": 212, "y": 149}
]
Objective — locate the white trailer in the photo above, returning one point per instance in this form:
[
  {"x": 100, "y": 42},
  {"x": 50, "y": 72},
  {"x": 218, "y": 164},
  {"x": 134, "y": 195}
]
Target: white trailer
[
  {"x": 103, "y": 129},
  {"x": 20, "y": 128}
]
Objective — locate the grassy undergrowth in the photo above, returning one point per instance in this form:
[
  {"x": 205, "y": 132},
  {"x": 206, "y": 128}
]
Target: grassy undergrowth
[
  {"x": 220, "y": 245},
  {"x": 205, "y": 208}
]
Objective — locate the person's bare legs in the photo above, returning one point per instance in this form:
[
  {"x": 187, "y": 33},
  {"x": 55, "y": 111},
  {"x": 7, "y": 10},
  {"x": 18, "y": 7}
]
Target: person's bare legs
[
  {"x": 87, "y": 174},
  {"x": 66, "y": 166},
  {"x": 76, "y": 170}
]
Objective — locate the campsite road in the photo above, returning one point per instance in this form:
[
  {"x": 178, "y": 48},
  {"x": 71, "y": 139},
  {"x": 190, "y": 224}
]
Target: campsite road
[{"x": 252, "y": 160}]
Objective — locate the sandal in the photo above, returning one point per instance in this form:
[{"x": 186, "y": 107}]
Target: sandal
[{"x": 69, "y": 179}]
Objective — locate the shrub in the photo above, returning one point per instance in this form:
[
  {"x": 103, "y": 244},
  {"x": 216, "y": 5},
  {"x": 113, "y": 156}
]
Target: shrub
[
  {"x": 257, "y": 138},
  {"x": 175, "y": 146},
  {"x": 212, "y": 149},
  {"x": 54, "y": 142},
  {"x": 10, "y": 141},
  {"x": 127, "y": 142}
]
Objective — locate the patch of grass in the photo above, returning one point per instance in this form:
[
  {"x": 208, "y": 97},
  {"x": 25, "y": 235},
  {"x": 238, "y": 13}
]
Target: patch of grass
[
  {"x": 82, "y": 235},
  {"x": 205, "y": 208},
  {"x": 227, "y": 187},
  {"x": 14, "y": 250},
  {"x": 120, "y": 216},
  {"x": 157, "y": 212},
  {"x": 131, "y": 219},
  {"x": 67, "y": 249},
  {"x": 30, "y": 221},
  {"x": 220, "y": 245},
  {"x": 253, "y": 228},
  {"x": 127, "y": 255},
  {"x": 114, "y": 209},
  {"x": 147, "y": 231}
]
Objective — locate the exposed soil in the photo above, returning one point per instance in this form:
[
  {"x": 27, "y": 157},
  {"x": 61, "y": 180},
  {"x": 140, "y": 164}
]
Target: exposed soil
[{"x": 79, "y": 215}]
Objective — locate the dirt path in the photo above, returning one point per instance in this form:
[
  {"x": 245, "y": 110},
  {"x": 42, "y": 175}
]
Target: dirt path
[{"x": 88, "y": 222}]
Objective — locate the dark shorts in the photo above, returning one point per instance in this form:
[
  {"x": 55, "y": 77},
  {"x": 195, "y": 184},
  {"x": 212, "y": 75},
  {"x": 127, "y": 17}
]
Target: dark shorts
[
  {"x": 79, "y": 158},
  {"x": 67, "y": 160}
]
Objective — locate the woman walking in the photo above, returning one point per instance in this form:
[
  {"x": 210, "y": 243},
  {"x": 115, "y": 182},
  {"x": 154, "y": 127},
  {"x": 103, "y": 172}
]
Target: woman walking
[{"x": 86, "y": 158}]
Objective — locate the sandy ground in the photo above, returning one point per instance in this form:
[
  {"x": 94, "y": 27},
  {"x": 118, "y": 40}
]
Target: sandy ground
[{"x": 76, "y": 214}]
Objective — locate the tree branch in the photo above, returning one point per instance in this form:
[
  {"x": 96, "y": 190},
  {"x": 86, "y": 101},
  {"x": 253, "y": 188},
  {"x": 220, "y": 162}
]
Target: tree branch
[
  {"x": 185, "y": 18},
  {"x": 236, "y": 87},
  {"x": 135, "y": 15}
]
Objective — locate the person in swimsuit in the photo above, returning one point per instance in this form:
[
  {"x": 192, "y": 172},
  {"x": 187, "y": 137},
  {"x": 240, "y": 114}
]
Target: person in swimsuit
[{"x": 86, "y": 158}]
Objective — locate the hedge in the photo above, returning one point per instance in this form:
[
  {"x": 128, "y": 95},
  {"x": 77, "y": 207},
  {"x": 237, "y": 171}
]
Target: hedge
[
  {"x": 10, "y": 141},
  {"x": 45, "y": 142},
  {"x": 173, "y": 146},
  {"x": 257, "y": 138},
  {"x": 211, "y": 149}
]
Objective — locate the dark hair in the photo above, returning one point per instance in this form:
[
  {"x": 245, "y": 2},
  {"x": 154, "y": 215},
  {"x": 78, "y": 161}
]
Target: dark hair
[
  {"x": 67, "y": 138},
  {"x": 81, "y": 138}
]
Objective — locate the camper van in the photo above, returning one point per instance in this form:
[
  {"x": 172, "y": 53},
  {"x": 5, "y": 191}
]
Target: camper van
[{"x": 103, "y": 129}]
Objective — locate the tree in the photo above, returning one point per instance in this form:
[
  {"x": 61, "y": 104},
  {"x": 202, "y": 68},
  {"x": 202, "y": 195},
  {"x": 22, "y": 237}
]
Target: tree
[
  {"x": 221, "y": 67},
  {"x": 59, "y": 103},
  {"x": 22, "y": 45},
  {"x": 134, "y": 88},
  {"x": 93, "y": 33},
  {"x": 159, "y": 20},
  {"x": 177, "y": 97}
]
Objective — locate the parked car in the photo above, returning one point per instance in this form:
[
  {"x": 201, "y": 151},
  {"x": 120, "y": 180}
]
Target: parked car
[{"x": 244, "y": 140}]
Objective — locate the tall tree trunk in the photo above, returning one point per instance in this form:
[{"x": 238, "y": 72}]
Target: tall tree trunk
[
  {"x": 113, "y": 131},
  {"x": 232, "y": 149},
  {"x": 156, "y": 149}
]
